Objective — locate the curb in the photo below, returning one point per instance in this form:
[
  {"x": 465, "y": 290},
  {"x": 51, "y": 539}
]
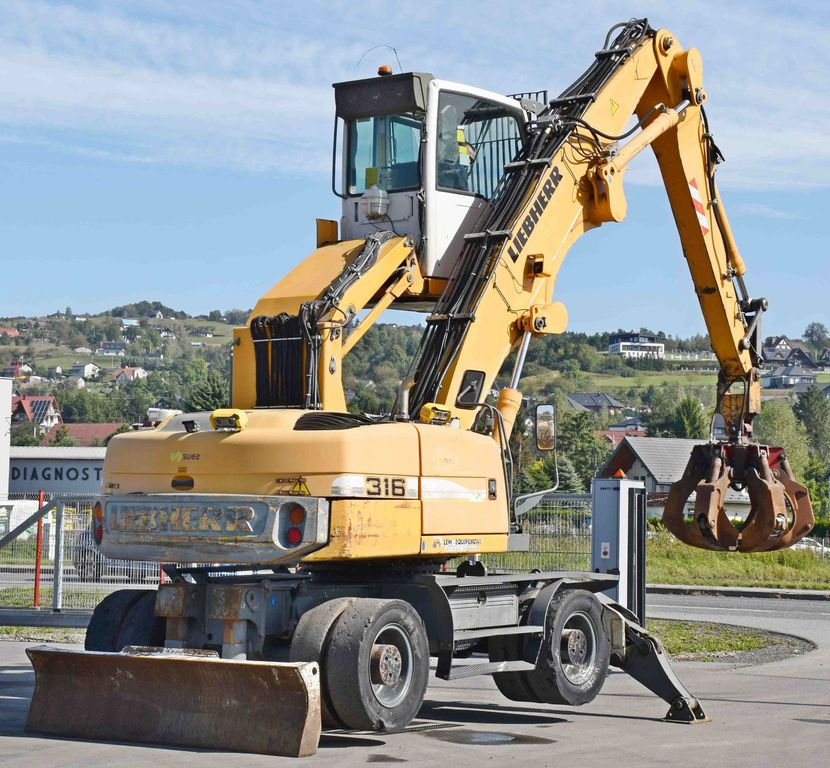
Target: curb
[{"x": 763, "y": 592}]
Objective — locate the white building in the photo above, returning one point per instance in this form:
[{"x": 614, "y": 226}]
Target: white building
[
  {"x": 636, "y": 345},
  {"x": 85, "y": 370},
  {"x": 128, "y": 374}
]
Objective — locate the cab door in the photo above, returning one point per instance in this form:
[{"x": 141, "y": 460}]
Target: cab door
[{"x": 472, "y": 134}]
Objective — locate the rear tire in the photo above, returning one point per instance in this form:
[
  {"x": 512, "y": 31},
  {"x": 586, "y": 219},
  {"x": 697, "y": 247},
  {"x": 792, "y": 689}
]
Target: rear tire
[
  {"x": 105, "y": 624},
  {"x": 559, "y": 679},
  {"x": 309, "y": 642},
  {"x": 359, "y": 701},
  {"x": 140, "y": 625}
]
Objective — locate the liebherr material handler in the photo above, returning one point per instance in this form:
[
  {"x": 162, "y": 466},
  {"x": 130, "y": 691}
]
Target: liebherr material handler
[{"x": 464, "y": 203}]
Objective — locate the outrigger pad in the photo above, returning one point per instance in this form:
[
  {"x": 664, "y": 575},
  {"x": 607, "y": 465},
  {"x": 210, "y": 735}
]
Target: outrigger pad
[
  {"x": 780, "y": 512},
  {"x": 174, "y": 697}
]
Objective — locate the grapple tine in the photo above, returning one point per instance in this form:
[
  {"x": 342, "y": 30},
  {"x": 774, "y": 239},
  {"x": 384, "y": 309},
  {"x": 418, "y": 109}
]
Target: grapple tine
[
  {"x": 798, "y": 500},
  {"x": 710, "y": 520},
  {"x": 766, "y": 499},
  {"x": 780, "y": 511},
  {"x": 185, "y": 700}
]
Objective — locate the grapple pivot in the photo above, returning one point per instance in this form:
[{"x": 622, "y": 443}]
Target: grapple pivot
[{"x": 780, "y": 512}]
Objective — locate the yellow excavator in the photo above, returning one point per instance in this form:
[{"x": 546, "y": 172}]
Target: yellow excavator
[{"x": 311, "y": 543}]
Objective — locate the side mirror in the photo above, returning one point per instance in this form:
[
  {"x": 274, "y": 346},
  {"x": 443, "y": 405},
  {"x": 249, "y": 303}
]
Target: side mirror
[{"x": 546, "y": 427}]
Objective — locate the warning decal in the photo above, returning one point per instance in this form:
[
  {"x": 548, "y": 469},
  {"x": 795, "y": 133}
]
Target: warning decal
[{"x": 700, "y": 210}]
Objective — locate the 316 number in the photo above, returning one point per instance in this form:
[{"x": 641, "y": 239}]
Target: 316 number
[{"x": 386, "y": 486}]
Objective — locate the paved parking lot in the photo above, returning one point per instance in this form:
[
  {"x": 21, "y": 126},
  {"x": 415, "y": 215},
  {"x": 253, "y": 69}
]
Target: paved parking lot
[{"x": 771, "y": 715}]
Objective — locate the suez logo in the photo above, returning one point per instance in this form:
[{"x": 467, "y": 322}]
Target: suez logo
[
  {"x": 535, "y": 213},
  {"x": 178, "y": 456}
]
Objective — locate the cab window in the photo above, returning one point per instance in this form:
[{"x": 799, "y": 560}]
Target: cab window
[
  {"x": 476, "y": 138},
  {"x": 384, "y": 152}
]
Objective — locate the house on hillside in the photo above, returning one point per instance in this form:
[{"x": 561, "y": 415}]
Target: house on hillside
[
  {"x": 774, "y": 357},
  {"x": 85, "y": 435},
  {"x": 615, "y": 436},
  {"x": 632, "y": 422},
  {"x": 128, "y": 322},
  {"x": 800, "y": 389},
  {"x": 635, "y": 345},
  {"x": 18, "y": 370},
  {"x": 785, "y": 377},
  {"x": 85, "y": 370},
  {"x": 82, "y": 351},
  {"x": 114, "y": 348},
  {"x": 39, "y": 410},
  {"x": 11, "y": 333},
  {"x": 128, "y": 374},
  {"x": 595, "y": 402},
  {"x": 658, "y": 462}
]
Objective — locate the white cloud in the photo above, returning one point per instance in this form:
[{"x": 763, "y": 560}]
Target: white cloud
[
  {"x": 246, "y": 86},
  {"x": 764, "y": 211}
]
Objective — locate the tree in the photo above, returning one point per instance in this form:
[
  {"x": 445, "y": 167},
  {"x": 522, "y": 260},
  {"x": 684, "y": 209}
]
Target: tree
[
  {"x": 62, "y": 438},
  {"x": 210, "y": 394},
  {"x": 215, "y": 316},
  {"x": 777, "y": 425},
  {"x": 238, "y": 316},
  {"x": 816, "y": 477},
  {"x": 690, "y": 420},
  {"x": 662, "y": 402},
  {"x": 817, "y": 335},
  {"x": 577, "y": 443},
  {"x": 542, "y": 474},
  {"x": 25, "y": 433},
  {"x": 813, "y": 410}
]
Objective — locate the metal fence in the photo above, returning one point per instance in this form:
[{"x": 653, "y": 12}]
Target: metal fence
[
  {"x": 52, "y": 563},
  {"x": 560, "y": 537}
]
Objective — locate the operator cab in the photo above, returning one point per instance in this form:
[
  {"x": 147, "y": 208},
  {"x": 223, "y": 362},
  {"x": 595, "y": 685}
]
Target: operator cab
[{"x": 421, "y": 157}]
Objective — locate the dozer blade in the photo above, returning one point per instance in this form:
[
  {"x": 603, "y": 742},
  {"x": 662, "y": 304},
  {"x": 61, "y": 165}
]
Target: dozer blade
[
  {"x": 192, "y": 700},
  {"x": 780, "y": 512}
]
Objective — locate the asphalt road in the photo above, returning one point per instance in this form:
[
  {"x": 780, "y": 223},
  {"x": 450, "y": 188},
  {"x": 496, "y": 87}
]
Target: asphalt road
[{"x": 770, "y": 715}]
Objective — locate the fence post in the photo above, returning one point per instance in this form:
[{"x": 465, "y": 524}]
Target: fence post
[
  {"x": 38, "y": 551},
  {"x": 57, "y": 579}
]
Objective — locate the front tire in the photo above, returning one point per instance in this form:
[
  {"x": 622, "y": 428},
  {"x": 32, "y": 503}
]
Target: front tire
[{"x": 377, "y": 665}]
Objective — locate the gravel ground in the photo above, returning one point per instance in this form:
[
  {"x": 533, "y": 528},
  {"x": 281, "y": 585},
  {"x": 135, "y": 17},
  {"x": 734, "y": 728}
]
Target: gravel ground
[{"x": 776, "y": 646}]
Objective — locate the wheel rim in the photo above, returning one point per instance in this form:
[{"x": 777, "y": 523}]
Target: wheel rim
[
  {"x": 579, "y": 673},
  {"x": 391, "y": 696}
]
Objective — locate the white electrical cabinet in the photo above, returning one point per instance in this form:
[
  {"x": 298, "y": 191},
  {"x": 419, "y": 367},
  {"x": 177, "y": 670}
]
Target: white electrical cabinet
[{"x": 618, "y": 538}]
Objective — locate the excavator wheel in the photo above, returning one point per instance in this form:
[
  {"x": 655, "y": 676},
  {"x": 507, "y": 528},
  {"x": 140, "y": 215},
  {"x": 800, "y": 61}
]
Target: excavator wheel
[
  {"x": 513, "y": 685},
  {"x": 377, "y": 665},
  {"x": 575, "y": 652},
  {"x": 102, "y": 633},
  {"x": 141, "y": 626},
  {"x": 309, "y": 642}
]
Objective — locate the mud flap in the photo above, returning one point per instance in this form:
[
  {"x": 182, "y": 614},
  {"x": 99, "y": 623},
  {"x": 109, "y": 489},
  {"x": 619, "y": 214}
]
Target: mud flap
[{"x": 176, "y": 697}]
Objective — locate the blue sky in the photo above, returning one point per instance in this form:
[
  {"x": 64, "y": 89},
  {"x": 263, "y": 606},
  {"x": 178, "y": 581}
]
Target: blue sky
[{"x": 180, "y": 151}]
